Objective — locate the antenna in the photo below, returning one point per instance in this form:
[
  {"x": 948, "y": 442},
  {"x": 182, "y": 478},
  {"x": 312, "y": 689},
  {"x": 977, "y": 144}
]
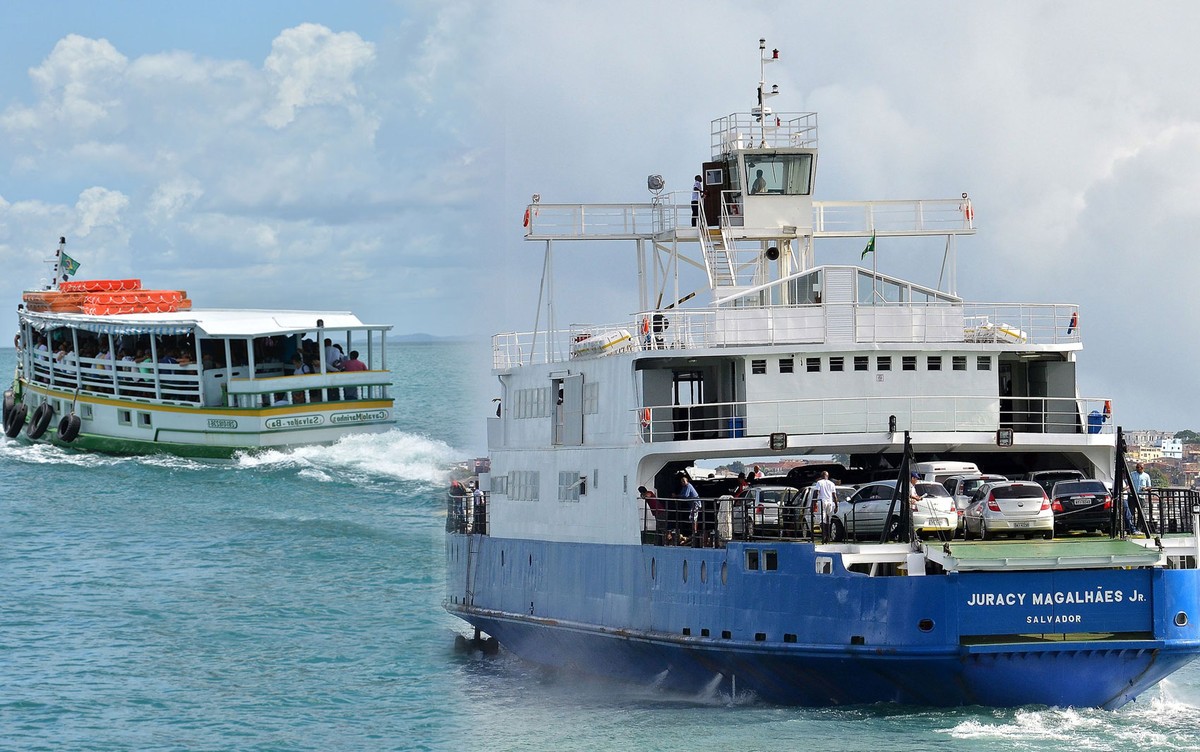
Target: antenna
[{"x": 762, "y": 111}]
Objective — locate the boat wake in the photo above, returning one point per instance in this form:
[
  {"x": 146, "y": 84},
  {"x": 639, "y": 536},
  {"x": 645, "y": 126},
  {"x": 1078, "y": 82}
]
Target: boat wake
[{"x": 363, "y": 459}]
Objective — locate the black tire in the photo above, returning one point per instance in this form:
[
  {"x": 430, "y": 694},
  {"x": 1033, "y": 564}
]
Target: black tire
[
  {"x": 10, "y": 401},
  {"x": 68, "y": 428},
  {"x": 1048, "y": 536},
  {"x": 837, "y": 530},
  {"x": 966, "y": 531},
  {"x": 40, "y": 421},
  {"x": 16, "y": 420},
  {"x": 983, "y": 531}
]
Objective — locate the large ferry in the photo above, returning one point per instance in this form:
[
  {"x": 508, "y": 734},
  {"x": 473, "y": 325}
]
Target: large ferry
[
  {"x": 111, "y": 366},
  {"x": 561, "y": 560}
]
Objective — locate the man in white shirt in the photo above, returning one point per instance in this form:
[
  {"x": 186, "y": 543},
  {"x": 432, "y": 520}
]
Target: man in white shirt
[{"x": 827, "y": 498}]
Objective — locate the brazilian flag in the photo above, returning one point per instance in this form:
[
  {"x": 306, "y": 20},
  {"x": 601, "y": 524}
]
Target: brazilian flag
[
  {"x": 870, "y": 245},
  {"x": 68, "y": 265}
]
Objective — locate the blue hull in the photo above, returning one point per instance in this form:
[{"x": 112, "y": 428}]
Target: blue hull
[{"x": 791, "y": 635}]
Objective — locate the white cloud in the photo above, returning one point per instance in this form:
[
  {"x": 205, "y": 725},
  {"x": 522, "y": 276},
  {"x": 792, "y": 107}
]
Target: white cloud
[{"x": 310, "y": 65}]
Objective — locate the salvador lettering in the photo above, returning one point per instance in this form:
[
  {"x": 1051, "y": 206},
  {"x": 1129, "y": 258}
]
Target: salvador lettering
[{"x": 294, "y": 421}]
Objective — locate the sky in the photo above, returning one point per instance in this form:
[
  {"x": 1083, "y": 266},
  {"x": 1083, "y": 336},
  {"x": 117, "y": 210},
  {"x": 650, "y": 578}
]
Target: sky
[{"x": 378, "y": 156}]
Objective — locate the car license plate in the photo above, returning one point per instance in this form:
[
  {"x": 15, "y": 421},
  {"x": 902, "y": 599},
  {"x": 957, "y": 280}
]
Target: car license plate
[
  {"x": 1084, "y": 502},
  {"x": 1020, "y": 524}
]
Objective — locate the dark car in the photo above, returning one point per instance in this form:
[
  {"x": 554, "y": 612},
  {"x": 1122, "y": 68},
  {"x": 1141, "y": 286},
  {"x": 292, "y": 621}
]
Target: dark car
[
  {"x": 1047, "y": 478},
  {"x": 1081, "y": 505}
]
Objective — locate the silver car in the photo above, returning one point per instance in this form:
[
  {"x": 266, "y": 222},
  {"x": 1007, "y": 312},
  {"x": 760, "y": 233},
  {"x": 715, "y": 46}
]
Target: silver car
[
  {"x": 1016, "y": 507},
  {"x": 866, "y": 514},
  {"x": 963, "y": 487}
]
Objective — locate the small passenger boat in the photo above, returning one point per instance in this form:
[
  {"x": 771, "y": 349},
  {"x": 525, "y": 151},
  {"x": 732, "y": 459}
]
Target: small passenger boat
[{"x": 112, "y": 366}]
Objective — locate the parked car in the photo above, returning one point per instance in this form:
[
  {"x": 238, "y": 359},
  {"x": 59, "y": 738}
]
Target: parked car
[
  {"x": 1016, "y": 507},
  {"x": 1081, "y": 505},
  {"x": 938, "y": 472},
  {"x": 774, "y": 510},
  {"x": 962, "y": 487},
  {"x": 1047, "y": 478},
  {"x": 812, "y": 509},
  {"x": 866, "y": 514}
]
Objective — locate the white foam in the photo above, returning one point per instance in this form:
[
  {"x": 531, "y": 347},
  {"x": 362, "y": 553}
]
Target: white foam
[{"x": 393, "y": 455}]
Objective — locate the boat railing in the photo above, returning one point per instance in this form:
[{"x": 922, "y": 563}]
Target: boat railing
[
  {"x": 721, "y": 519},
  {"x": 847, "y": 415},
  {"x": 125, "y": 379},
  {"x": 1170, "y": 509},
  {"x": 277, "y": 390},
  {"x": 745, "y": 130},
  {"x": 1001, "y": 324},
  {"x": 853, "y": 219},
  {"x": 467, "y": 513}
]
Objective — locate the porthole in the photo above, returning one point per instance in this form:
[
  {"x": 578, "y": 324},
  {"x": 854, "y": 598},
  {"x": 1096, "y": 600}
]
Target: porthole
[
  {"x": 501, "y": 557},
  {"x": 1181, "y": 619},
  {"x": 685, "y": 570},
  {"x": 704, "y": 571},
  {"x": 653, "y": 569},
  {"x": 925, "y": 625},
  {"x": 724, "y": 573},
  {"x": 531, "y": 560}
]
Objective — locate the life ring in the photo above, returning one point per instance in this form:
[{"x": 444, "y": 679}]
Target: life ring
[
  {"x": 68, "y": 428},
  {"x": 645, "y": 326},
  {"x": 646, "y": 418},
  {"x": 40, "y": 421},
  {"x": 16, "y": 420}
]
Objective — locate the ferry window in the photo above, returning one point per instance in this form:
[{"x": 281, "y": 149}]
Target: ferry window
[
  {"x": 782, "y": 174},
  {"x": 813, "y": 365},
  {"x": 805, "y": 290},
  {"x": 85, "y": 412},
  {"x": 861, "y": 362},
  {"x": 569, "y": 485},
  {"x": 591, "y": 398},
  {"x": 984, "y": 363},
  {"x": 758, "y": 366},
  {"x": 752, "y": 559},
  {"x": 500, "y": 485},
  {"x": 908, "y": 363},
  {"x": 960, "y": 362},
  {"x": 837, "y": 363},
  {"x": 786, "y": 365},
  {"x": 770, "y": 560},
  {"x": 144, "y": 420},
  {"x": 125, "y": 417},
  {"x": 524, "y": 485},
  {"x": 934, "y": 363},
  {"x": 689, "y": 387},
  {"x": 883, "y": 362}
]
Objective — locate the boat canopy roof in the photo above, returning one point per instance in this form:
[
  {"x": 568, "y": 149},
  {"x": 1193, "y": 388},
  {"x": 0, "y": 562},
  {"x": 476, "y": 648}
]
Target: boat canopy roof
[{"x": 208, "y": 323}]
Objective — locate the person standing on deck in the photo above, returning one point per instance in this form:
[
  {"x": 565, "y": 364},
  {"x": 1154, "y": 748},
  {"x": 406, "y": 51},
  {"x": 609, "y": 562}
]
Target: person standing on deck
[
  {"x": 827, "y": 498},
  {"x": 697, "y": 192},
  {"x": 1139, "y": 481},
  {"x": 688, "y": 493}
]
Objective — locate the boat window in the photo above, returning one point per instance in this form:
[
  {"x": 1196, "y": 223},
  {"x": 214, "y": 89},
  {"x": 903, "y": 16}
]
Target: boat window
[
  {"x": 960, "y": 362},
  {"x": 787, "y": 365},
  {"x": 758, "y": 367},
  {"x": 770, "y": 560},
  {"x": 983, "y": 363},
  {"x": 569, "y": 485},
  {"x": 908, "y": 363},
  {"x": 125, "y": 417},
  {"x": 752, "y": 559},
  {"x": 861, "y": 362},
  {"x": 883, "y": 363},
  {"x": 779, "y": 174},
  {"x": 934, "y": 363},
  {"x": 813, "y": 365},
  {"x": 689, "y": 387},
  {"x": 837, "y": 363},
  {"x": 805, "y": 290}
]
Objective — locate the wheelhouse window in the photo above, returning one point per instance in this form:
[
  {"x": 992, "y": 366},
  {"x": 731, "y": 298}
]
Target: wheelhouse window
[{"x": 779, "y": 174}]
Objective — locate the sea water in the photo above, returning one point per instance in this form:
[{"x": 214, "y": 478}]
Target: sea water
[{"x": 291, "y": 600}]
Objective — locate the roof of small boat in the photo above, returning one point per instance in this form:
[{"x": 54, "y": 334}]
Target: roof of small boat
[{"x": 210, "y": 322}]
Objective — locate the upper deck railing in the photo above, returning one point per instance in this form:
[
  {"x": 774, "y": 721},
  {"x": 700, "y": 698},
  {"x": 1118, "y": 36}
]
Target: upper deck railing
[
  {"x": 778, "y": 130},
  {"x": 999, "y": 325},
  {"x": 831, "y": 219}
]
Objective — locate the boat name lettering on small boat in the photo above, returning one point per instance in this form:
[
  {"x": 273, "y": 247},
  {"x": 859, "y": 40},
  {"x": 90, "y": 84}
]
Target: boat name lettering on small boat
[
  {"x": 362, "y": 416},
  {"x": 295, "y": 421},
  {"x": 222, "y": 423}
]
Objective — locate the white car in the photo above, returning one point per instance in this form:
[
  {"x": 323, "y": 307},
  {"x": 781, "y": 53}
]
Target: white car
[
  {"x": 774, "y": 511},
  {"x": 866, "y": 514},
  {"x": 1017, "y": 507}
]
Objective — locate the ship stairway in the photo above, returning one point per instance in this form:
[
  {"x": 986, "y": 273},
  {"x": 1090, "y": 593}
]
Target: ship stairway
[{"x": 718, "y": 262}]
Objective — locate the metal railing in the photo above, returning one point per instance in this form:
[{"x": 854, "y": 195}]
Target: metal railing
[
  {"x": 735, "y": 420},
  {"x": 1003, "y": 324},
  {"x": 1170, "y": 509},
  {"x": 744, "y": 130},
  {"x": 833, "y": 219},
  {"x": 467, "y": 513}
]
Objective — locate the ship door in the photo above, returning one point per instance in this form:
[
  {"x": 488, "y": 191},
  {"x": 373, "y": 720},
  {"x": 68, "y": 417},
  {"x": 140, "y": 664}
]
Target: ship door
[
  {"x": 568, "y": 411},
  {"x": 716, "y": 182}
]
